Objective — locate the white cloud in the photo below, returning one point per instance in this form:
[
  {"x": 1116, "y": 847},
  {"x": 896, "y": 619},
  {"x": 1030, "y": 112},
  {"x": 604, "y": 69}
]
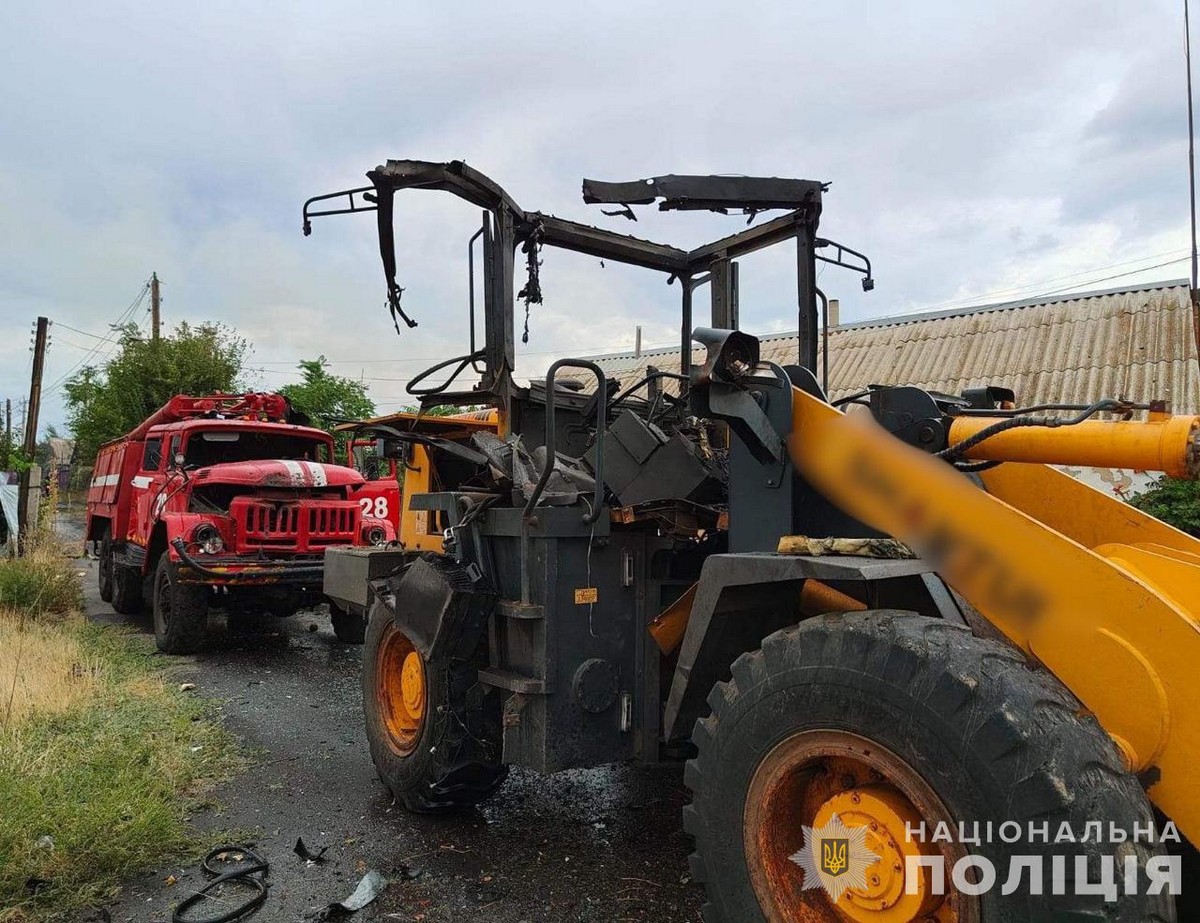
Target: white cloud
[{"x": 973, "y": 148}]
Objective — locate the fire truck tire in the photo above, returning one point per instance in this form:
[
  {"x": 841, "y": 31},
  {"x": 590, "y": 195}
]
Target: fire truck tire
[
  {"x": 180, "y": 610},
  {"x": 348, "y": 626},
  {"x": 449, "y": 758},
  {"x": 894, "y": 719},
  {"x": 104, "y": 566},
  {"x": 126, "y": 589}
]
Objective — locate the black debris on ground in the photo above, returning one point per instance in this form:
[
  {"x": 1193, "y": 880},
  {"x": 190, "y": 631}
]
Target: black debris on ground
[{"x": 592, "y": 845}]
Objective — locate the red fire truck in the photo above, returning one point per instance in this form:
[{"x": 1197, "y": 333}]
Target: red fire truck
[{"x": 220, "y": 501}]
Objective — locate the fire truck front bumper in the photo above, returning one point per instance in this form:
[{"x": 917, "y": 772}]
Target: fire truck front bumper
[{"x": 247, "y": 570}]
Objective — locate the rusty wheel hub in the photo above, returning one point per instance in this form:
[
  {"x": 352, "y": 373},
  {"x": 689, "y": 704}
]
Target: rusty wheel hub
[
  {"x": 400, "y": 690},
  {"x": 815, "y": 779}
]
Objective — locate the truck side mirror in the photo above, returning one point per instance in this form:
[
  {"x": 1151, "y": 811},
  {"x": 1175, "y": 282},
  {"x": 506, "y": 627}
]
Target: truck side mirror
[{"x": 177, "y": 460}]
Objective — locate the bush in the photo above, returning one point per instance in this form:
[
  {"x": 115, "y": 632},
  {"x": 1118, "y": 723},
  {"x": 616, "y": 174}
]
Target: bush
[
  {"x": 1177, "y": 503},
  {"x": 43, "y": 583}
]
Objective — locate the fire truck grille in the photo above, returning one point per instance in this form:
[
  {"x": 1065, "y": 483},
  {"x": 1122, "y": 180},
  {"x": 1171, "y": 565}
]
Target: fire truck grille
[{"x": 300, "y": 526}]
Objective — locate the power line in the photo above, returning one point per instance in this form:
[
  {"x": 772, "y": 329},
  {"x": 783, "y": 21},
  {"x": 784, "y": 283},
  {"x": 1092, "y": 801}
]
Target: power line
[
  {"x": 94, "y": 336},
  {"x": 1119, "y": 275},
  {"x": 543, "y": 352},
  {"x": 59, "y": 341},
  {"x": 1034, "y": 289},
  {"x": 251, "y": 368},
  {"x": 115, "y": 327}
]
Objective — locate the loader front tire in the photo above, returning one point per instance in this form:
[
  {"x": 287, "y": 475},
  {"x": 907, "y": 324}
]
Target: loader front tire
[
  {"x": 890, "y": 719},
  {"x": 180, "y": 610},
  {"x": 434, "y": 732}
]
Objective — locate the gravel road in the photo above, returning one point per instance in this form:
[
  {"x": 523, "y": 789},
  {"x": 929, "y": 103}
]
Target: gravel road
[{"x": 599, "y": 844}]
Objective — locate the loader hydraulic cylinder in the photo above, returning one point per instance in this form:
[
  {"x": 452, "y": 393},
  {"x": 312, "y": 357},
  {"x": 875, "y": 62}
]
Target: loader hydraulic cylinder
[{"x": 1168, "y": 444}]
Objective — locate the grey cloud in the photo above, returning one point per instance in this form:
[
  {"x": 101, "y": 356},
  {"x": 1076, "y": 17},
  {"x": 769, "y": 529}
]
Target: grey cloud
[{"x": 184, "y": 138}]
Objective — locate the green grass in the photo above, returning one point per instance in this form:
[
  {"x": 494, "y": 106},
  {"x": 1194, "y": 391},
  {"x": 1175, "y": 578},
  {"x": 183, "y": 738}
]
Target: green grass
[
  {"x": 40, "y": 584},
  {"x": 109, "y": 776}
]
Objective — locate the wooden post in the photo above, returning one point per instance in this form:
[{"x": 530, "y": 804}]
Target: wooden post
[
  {"x": 155, "y": 318},
  {"x": 30, "y": 434}
]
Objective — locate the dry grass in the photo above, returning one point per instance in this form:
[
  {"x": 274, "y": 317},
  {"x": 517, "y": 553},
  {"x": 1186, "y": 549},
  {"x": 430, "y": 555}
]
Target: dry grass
[
  {"x": 101, "y": 758},
  {"x": 43, "y": 670}
]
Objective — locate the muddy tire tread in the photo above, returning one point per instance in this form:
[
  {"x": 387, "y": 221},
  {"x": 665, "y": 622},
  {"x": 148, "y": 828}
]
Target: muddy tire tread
[
  {"x": 455, "y": 764},
  {"x": 1056, "y": 761}
]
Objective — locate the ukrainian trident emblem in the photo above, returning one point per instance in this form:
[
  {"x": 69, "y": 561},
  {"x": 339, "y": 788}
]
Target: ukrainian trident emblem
[{"x": 835, "y": 857}]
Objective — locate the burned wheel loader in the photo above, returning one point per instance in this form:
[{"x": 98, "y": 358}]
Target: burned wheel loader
[{"x": 917, "y": 673}]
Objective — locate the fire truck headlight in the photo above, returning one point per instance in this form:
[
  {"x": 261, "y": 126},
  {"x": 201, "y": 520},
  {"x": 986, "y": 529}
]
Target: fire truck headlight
[
  {"x": 208, "y": 539},
  {"x": 375, "y": 535}
]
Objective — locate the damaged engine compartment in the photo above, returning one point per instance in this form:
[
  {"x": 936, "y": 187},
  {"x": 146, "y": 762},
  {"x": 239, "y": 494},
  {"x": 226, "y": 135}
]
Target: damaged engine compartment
[{"x": 546, "y": 527}]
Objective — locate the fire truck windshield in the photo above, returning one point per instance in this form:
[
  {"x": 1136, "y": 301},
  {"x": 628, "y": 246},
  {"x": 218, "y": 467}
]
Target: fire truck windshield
[{"x": 212, "y": 447}]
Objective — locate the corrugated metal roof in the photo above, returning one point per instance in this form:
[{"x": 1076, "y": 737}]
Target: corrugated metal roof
[{"x": 1135, "y": 343}]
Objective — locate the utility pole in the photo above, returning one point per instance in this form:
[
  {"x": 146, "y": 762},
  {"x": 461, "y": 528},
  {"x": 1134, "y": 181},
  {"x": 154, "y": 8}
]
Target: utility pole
[
  {"x": 154, "y": 304},
  {"x": 7, "y": 429},
  {"x": 31, "y": 425},
  {"x": 1187, "y": 57}
]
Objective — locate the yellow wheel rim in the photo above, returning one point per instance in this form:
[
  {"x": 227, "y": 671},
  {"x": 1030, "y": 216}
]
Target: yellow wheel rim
[
  {"x": 815, "y": 776},
  {"x": 400, "y": 690}
]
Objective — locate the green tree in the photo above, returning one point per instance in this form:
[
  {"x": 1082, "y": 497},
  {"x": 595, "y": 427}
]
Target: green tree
[
  {"x": 8, "y": 449},
  {"x": 1175, "y": 502},
  {"x": 328, "y": 399},
  {"x": 108, "y": 401}
]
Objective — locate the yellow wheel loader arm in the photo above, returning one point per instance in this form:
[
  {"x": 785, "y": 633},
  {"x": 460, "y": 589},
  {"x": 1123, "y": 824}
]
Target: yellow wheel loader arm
[{"x": 1104, "y": 596}]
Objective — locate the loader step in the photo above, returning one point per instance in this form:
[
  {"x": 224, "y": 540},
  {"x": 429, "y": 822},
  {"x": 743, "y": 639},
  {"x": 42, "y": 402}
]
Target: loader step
[
  {"x": 515, "y": 609},
  {"x": 513, "y": 682}
]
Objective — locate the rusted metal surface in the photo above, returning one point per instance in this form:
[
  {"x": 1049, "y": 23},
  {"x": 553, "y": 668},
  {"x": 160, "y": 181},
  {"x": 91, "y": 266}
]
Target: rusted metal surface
[
  {"x": 794, "y": 787},
  {"x": 1136, "y": 343}
]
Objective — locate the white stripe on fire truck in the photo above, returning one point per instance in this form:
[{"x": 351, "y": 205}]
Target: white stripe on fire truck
[
  {"x": 296, "y": 472},
  {"x": 141, "y": 480},
  {"x": 317, "y": 473},
  {"x": 105, "y": 480}
]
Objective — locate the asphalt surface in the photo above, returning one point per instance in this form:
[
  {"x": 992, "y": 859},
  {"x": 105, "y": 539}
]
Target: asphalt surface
[{"x": 597, "y": 844}]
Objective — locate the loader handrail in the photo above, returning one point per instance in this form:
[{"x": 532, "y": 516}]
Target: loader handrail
[{"x": 601, "y": 416}]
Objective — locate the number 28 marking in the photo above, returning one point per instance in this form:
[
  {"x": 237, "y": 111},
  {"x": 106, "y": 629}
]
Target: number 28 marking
[{"x": 374, "y": 506}]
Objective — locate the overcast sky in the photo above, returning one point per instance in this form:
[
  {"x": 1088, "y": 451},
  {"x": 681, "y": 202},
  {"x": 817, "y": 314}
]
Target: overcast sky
[{"x": 978, "y": 152}]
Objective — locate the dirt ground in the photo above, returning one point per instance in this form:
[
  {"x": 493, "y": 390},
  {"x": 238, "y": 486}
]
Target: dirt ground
[{"x": 599, "y": 844}]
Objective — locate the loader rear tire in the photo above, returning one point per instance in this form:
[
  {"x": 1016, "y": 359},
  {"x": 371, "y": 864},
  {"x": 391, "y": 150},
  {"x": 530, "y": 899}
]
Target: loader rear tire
[
  {"x": 104, "y": 566},
  {"x": 891, "y": 718},
  {"x": 180, "y": 610},
  {"x": 433, "y": 730}
]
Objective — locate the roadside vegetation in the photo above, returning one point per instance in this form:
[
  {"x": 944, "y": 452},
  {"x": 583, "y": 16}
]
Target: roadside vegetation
[
  {"x": 101, "y": 757},
  {"x": 107, "y": 400},
  {"x": 328, "y": 400},
  {"x": 1175, "y": 502}
]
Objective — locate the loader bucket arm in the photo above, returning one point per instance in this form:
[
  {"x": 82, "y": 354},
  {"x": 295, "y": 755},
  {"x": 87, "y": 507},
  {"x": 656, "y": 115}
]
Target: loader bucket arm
[{"x": 1104, "y": 597}]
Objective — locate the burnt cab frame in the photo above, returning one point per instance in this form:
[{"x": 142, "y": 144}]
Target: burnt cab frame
[{"x": 507, "y": 227}]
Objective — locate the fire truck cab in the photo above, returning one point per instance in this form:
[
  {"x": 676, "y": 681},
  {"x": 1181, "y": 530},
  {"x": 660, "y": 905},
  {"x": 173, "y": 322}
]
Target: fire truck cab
[{"x": 220, "y": 501}]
